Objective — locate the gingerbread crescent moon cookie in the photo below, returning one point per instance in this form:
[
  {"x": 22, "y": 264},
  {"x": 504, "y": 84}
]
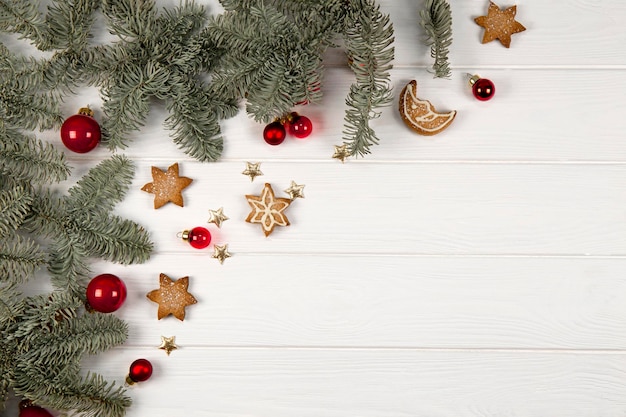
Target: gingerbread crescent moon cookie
[{"x": 420, "y": 115}]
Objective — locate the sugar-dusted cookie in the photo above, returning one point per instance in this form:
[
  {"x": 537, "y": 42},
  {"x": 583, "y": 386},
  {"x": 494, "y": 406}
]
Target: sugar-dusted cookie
[
  {"x": 172, "y": 297},
  {"x": 420, "y": 115},
  {"x": 167, "y": 186},
  {"x": 499, "y": 24},
  {"x": 268, "y": 210}
]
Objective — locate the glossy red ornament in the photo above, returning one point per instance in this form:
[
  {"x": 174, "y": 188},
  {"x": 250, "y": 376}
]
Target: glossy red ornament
[
  {"x": 482, "y": 88},
  {"x": 34, "y": 411},
  {"x": 198, "y": 237},
  {"x": 106, "y": 293},
  {"x": 139, "y": 371},
  {"x": 274, "y": 133},
  {"x": 81, "y": 133},
  {"x": 300, "y": 126}
]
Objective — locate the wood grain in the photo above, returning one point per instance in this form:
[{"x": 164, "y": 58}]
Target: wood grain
[
  {"x": 444, "y": 208},
  {"x": 478, "y": 273},
  {"x": 347, "y": 383},
  {"x": 383, "y": 301}
]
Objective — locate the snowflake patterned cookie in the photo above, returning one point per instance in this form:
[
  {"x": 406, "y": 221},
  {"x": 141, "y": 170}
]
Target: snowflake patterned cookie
[{"x": 268, "y": 210}]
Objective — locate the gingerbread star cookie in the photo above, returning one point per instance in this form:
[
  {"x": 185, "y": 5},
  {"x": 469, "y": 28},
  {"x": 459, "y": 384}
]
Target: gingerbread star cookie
[
  {"x": 267, "y": 210},
  {"x": 172, "y": 297},
  {"x": 167, "y": 186},
  {"x": 499, "y": 24}
]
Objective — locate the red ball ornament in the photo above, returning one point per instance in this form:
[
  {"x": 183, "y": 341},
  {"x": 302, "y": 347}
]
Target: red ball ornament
[
  {"x": 274, "y": 133},
  {"x": 198, "y": 237},
  {"x": 34, "y": 411},
  {"x": 300, "y": 126},
  {"x": 106, "y": 293},
  {"x": 139, "y": 371},
  {"x": 81, "y": 133},
  {"x": 482, "y": 88}
]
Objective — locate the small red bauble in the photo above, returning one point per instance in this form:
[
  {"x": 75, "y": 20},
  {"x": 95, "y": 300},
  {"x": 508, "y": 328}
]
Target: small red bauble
[
  {"x": 198, "y": 237},
  {"x": 482, "y": 88},
  {"x": 106, "y": 293},
  {"x": 300, "y": 126},
  {"x": 34, "y": 411},
  {"x": 274, "y": 133},
  {"x": 139, "y": 371},
  {"x": 81, "y": 133}
]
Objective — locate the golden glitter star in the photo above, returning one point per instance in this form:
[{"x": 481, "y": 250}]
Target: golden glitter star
[
  {"x": 499, "y": 24},
  {"x": 267, "y": 210},
  {"x": 168, "y": 344},
  {"x": 295, "y": 190},
  {"x": 221, "y": 253},
  {"x": 252, "y": 170},
  {"x": 341, "y": 153},
  {"x": 217, "y": 216},
  {"x": 172, "y": 297},
  {"x": 167, "y": 186}
]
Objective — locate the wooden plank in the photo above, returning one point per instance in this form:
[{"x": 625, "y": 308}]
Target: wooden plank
[
  {"x": 285, "y": 383},
  {"x": 559, "y": 33},
  {"x": 493, "y": 209},
  {"x": 383, "y": 301}
]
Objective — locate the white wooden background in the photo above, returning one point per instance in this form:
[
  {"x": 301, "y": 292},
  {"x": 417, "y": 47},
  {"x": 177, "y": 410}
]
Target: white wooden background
[{"x": 480, "y": 272}]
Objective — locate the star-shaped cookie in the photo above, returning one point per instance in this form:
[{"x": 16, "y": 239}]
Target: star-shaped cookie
[
  {"x": 172, "y": 297},
  {"x": 167, "y": 186},
  {"x": 267, "y": 210},
  {"x": 499, "y": 24}
]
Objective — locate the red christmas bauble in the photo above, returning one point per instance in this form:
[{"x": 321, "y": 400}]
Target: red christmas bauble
[
  {"x": 483, "y": 89},
  {"x": 274, "y": 133},
  {"x": 198, "y": 237},
  {"x": 106, "y": 293},
  {"x": 81, "y": 133},
  {"x": 140, "y": 370},
  {"x": 300, "y": 126},
  {"x": 34, "y": 411}
]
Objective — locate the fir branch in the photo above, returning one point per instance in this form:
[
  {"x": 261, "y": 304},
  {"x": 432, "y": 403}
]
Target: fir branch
[
  {"x": 67, "y": 264},
  {"x": 81, "y": 227},
  {"x": 130, "y": 18},
  {"x": 437, "y": 22},
  {"x": 369, "y": 41},
  {"x": 48, "y": 339},
  {"x": 25, "y": 158},
  {"x": 15, "y": 203},
  {"x": 115, "y": 239},
  {"x": 69, "y": 23},
  {"x": 23, "y": 17},
  {"x": 102, "y": 187},
  {"x": 125, "y": 107},
  {"x": 194, "y": 119},
  {"x": 29, "y": 111},
  {"x": 19, "y": 259}
]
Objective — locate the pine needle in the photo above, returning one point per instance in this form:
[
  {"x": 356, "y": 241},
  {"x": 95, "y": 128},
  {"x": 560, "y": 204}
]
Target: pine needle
[{"x": 437, "y": 22}]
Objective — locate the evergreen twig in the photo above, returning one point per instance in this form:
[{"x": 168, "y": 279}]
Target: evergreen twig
[{"x": 437, "y": 22}]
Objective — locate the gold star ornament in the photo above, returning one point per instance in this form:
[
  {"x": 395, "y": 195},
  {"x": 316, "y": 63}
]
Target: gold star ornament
[
  {"x": 221, "y": 253},
  {"x": 295, "y": 190},
  {"x": 499, "y": 24},
  {"x": 172, "y": 297},
  {"x": 252, "y": 170},
  {"x": 217, "y": 216},
  {"x": 168, "y": 344},
  {"x": 268, "y": 210},
  {"x": 341, "y": 153},
  {"x": 167, "y": 186}
]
